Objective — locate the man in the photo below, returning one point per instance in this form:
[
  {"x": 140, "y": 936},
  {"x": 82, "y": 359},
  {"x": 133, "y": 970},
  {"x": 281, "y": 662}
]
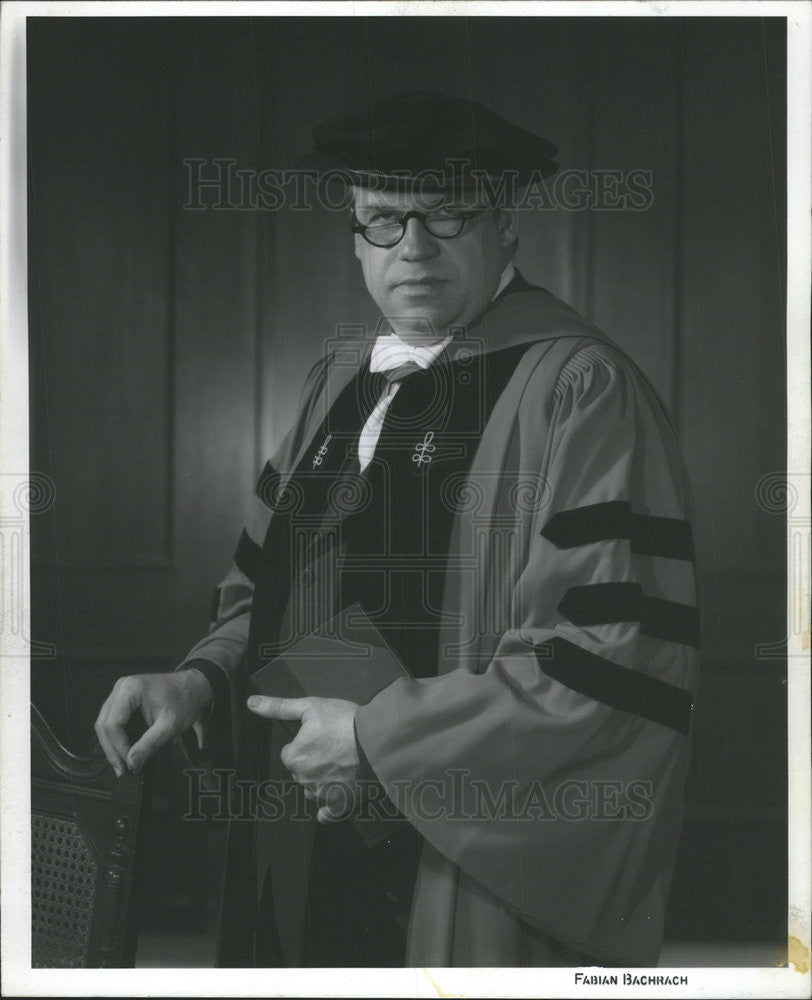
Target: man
[{"x": 508, "y": 506}]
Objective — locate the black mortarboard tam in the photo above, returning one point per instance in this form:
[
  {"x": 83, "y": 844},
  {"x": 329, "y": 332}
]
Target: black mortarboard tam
[{"x": 430, "y": 142}]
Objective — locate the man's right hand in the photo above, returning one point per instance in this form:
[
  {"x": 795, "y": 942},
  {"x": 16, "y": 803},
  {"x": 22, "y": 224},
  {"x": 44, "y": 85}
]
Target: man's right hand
[{"x": 170, "y": 704}]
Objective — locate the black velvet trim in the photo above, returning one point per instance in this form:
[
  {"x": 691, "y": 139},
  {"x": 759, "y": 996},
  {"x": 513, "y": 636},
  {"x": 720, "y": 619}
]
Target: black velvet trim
[
  {"x": 618, "y": 687},
  {"x": 672, "y": 621},
  {"x": 604, "y": 603},
  {"x": 216, "y": 676},
  {"x": 247, "y": 556},
  {"x": 601, "y": 603},
  {"x": 662, "y": 536},
  {"x": 667, "y": 537},
  {"x": 366, "y": 772}
]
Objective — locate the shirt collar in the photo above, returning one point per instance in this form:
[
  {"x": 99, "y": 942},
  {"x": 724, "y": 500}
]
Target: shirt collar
[{"x": 389, "y": 351}]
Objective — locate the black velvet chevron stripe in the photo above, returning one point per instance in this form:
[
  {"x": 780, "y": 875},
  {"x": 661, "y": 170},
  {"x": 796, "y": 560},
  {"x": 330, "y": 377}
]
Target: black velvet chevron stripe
[
  {"x": 661, "y": 536},
  {"x": 603, "y": 603},
  {"x": 669, "y": 620},
  {"x": 247, "y": 556},
  {"x": 600, "y": 603},
  {"x": 616, "y": 686},
  {"x": 668, "y": 537}
]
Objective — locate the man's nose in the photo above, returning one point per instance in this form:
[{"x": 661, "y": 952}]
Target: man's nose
[{"x": 417, "y": 242}]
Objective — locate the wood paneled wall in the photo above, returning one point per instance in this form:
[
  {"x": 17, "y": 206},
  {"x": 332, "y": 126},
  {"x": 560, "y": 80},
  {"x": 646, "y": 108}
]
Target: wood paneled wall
[{"x": 168, "y": 345}]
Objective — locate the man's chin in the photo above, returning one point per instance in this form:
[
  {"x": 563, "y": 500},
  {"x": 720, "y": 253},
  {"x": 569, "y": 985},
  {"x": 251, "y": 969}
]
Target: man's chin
[{"x": 426, "y": 324}]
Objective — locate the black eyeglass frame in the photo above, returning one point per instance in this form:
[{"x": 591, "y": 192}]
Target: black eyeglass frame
[{"x": 463, "y": 215}]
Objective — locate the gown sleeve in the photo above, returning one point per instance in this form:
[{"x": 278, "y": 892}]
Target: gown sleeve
[
  {"x": 219, "y": 654},
  {"x": 563, "y": 805}
]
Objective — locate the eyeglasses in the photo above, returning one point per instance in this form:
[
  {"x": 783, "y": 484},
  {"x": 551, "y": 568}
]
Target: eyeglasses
[{"x": 385, "y": 227}]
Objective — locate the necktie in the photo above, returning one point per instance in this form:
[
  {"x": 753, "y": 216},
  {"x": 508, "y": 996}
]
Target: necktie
[
  {"x": 401, "y": 371},
  {"x": 379, "y": 382}
]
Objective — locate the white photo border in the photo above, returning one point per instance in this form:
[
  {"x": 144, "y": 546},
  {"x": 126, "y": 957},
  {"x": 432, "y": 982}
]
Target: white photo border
[{"x": 17, "y": 976}]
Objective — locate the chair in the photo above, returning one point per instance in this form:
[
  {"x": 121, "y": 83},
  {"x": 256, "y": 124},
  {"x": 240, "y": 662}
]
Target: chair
[{"x": 84, "y": 830}]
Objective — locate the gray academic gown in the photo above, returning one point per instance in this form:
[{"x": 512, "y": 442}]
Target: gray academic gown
[{"x": 556, "y": 810}]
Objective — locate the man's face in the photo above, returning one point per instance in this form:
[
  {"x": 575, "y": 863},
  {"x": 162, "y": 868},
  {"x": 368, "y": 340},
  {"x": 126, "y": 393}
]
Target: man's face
[{"x": 424, "y": 283}]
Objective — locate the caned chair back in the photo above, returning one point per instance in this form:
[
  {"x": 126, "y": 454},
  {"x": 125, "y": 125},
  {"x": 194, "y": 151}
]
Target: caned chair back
[{"x": 84, "y": 829}]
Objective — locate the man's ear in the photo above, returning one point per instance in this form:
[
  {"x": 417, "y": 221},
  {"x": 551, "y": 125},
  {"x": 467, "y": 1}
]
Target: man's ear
[{"x": 507, "y": 225}]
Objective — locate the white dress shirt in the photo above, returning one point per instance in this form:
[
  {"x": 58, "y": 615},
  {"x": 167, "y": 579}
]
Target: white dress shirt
[{"x": 389, "y": 352}]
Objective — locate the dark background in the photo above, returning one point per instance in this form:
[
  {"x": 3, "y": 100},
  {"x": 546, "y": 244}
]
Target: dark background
[{"x": 168, "y": 348}]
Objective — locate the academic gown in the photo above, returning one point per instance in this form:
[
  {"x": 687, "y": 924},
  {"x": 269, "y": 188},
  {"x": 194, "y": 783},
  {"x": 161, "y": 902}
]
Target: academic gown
[{"x": 557, "y": 803}]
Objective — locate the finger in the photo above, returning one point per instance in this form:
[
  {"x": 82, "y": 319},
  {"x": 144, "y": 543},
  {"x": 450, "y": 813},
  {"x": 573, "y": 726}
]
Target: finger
[
  {"x": 287, "y": 709},
  {"x": 288, "y": 757},
  {"x": 114, "y": 715},
  {"x": 113, "y": 758},
  {"x": 117, "y": 717},
  {"x": 335, "y": 802},
  {"x": 325, "y": 815},
  {"x": 158, "y": 734}
]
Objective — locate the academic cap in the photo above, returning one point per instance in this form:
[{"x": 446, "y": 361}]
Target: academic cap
[{"x": 429, "y": 142}]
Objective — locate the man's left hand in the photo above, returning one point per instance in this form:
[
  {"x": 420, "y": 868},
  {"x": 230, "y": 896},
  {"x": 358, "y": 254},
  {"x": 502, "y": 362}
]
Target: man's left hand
[{"x": 323, "y": 757}]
